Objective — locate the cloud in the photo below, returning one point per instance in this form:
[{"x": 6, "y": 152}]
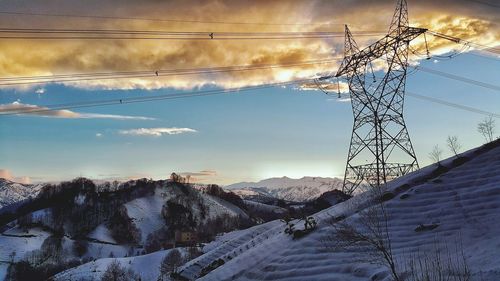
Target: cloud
[
  {"x": 156, "y": 132},
  {"x": 40, "y": 91},
  {"x": 35, "y": 110},
  {"x": 98, "y": 135},
  {"x": 200, "y": 176},
  {"x": 203, "y": 173},
  {"x": 7, "y": 174},
  {"x": 331, "y": 87},
  {"x": 460, "y": 18},
  {"x": 112, "y": 116},
  {"x": 343, "y": 100}
]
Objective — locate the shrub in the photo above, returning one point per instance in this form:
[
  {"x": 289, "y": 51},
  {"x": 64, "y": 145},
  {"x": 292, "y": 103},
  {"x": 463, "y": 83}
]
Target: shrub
[
  {"x": 115, "y": 272},
  {"x": 80, "y": 247}
]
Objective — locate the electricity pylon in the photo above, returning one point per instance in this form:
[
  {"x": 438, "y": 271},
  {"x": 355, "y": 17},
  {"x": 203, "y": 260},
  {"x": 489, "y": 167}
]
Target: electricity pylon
[{"x": 380, "y": 148}]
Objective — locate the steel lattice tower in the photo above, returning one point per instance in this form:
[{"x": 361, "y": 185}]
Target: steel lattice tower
[{"x": 380, "y": 148}]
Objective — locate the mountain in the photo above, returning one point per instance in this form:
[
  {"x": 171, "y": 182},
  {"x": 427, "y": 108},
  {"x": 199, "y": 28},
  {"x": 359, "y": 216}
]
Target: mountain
[
  {"x": 297, "y": 190},
  {"x": 440, "y": 218},
  {"x": 12, "y": 192}
]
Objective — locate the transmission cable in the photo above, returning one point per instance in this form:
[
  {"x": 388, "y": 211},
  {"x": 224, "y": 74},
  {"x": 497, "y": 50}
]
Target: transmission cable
[
  {"x": 486, "y": 48},
  {"x": 443, "y": 102},
  {"x": 165, "y": 32},
  {"x": 96, "y": 103},
  {"x": 458, "y": 78},
  {"x": 455, "y": 105},
  {"x": 78, "y": 77},
  {"x": 103, "y": 17},
  {"x": 485, "y": 3}
]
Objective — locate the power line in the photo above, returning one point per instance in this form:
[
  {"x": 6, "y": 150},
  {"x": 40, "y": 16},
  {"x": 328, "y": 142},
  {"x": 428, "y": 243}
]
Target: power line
[
  {"x": 464, "y": 50},
  {"x": 102, "y": 17},
  {"x": 171, "y": 38},
  {"x": 207, "y": 38},
  {"x": 445, "y": 103},
  {"x": 167, "y": 32},
  {"x": 78, "y": 77},
  {"x": 217, "y": 92},
  {"x": 146, "y": 99},
  {"x": 458, "y": 78},
  {"x": 454, "y": 105},
  {"x": 50, "y": 33},
  {"x": 492, "y": 49},
  {"x": 249, "y": 66},
  {"x": 485, "y": 3}
]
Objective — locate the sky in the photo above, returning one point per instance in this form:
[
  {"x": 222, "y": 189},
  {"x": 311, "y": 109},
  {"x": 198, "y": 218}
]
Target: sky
[{"x": 289, "y": 131}]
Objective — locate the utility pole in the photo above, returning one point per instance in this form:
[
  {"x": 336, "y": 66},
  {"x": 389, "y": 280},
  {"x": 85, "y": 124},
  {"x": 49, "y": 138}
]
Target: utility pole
[{"x": 380, "y": 148}]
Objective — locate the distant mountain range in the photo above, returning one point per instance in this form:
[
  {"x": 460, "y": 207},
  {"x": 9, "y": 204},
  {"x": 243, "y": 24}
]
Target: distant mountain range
[
  {"x": 298, "y": 190},
  {"x": 13, "y": 192}
]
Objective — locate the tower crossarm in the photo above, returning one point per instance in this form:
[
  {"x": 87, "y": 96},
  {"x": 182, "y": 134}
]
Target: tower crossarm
[{"x": 376, "y": 50}]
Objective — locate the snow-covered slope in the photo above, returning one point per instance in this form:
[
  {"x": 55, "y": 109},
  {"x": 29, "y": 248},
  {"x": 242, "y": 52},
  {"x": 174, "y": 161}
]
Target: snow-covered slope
[
  {"x": 12, "y": 192},
  {"x": 463, "y": 200},
  {"x": 145, "y": 212},
  {"x": 146, "y": 266},
  {"x": 15, "y": 244},
  {"x": 32, "y": 234},
  {"x": 303, "y": 189}
]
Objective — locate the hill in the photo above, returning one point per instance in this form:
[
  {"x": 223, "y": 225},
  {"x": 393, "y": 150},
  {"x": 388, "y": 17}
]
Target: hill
[
  {"x": 442, "y": 214},
  {"x": 75, "y": 222}
]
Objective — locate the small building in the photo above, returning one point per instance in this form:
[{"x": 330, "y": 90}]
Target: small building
[{"x": 186, "y": 237}]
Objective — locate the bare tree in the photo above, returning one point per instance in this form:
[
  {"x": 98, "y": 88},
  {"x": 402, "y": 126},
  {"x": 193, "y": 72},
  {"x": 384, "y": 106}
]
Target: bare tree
[
  {"x": 115, "y": 272},
  {"x": 453, "y": 144},
  {"x": 487, "y": 128},
  {"x": 169, "y": 264},
  {"x": 435, "y": 154},
  {"x": 371, "y": 231}
]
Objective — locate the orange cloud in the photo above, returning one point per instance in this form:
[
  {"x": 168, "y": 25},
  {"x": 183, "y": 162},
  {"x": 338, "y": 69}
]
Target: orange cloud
[
  {"x": 7, "y": 174},
  {"x": 37, "y": 57}
]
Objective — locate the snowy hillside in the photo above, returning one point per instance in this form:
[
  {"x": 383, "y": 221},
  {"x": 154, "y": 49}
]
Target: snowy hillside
[
  {"x": 299, "y": 190},
  {"x": 12, "y": 192},
  {"x": 77, "y": 222},
  {"x": 431, "y": 210},
  {"x": 145, "y": 266}
]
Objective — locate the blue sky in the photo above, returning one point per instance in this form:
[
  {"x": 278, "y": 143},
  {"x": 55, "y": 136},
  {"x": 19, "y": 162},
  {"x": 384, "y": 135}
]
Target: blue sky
[
  {"x": 231, "y": 137},
  {"x": 241, "y": 136}
]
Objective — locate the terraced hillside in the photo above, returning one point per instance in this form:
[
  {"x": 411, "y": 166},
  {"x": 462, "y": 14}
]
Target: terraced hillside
[{"x": 435, "y": 208}]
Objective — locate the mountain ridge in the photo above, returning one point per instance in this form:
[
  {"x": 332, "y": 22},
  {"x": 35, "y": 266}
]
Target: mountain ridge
[{"x": 303, "y": 189}]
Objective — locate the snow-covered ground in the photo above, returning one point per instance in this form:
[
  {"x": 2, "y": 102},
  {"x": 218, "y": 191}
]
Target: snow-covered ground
[
  {"x": 464, "y": 202},
  {"x": 264, "y": 207},
  {"x": 15, "y": 244},
  {"x": 147, "y": 266},
  {"x": 145, "y": 212},
  {"x": 303, "y": 189}
]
